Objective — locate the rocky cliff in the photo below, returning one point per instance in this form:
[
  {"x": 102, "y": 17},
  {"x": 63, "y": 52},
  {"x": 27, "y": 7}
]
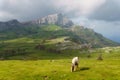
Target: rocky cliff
[{"x": 57, "y": 19}]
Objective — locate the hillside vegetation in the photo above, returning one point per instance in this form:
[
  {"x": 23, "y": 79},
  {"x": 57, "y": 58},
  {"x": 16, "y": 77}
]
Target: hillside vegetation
[
  {"x": 43, "y": 65},
  {"x": 77, "y": 34},
  {"x": 51, "y": 27},
  {"x": 42, "y": 50},
  {"x": 36, "y": 59}
]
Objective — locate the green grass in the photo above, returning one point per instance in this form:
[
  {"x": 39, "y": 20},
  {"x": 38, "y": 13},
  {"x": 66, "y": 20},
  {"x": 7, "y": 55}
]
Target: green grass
[
  {"x": 89, "y": 69},
  {"x": 51, "y": 27},
  {"x": 51, "y": 66},
  {"x": 45, "y": 65}
]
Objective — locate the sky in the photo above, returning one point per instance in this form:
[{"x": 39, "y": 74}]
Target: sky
[{"x": 100, "y": 15}]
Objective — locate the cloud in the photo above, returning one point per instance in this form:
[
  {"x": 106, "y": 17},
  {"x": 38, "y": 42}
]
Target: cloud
[
  {"x": 100, "y": 15},
  {"x": 109, "y": 29},
  {"x": 29, "y": 9},
  {"x": 110, "y": 11},
  {"x": 79, "y": 7},
  {"x": 25, "y": 9}
]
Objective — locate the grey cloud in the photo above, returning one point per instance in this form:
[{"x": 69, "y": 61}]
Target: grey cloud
[
  {"x": 109, "y": 29},
  {"x": 110, "y": 11},
  {"x": 27, "y": 10},
  {"x": 31, "y": 9},
  {"x": 106, "y": 18}
]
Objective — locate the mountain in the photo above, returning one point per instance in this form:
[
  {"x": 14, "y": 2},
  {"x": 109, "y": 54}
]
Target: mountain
[
  {"x": 9, "y": 25},
  {"x": 57, "y": 19},
  {"x": 92, "y": 37},
  {"x": 52, "y": 27}
]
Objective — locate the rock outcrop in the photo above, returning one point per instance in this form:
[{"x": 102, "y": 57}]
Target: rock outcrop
[{"x": 57, "y": 19}]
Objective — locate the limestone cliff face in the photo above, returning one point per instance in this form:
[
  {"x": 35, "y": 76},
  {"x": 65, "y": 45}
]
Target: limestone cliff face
[{"x": 57, "y": 19}]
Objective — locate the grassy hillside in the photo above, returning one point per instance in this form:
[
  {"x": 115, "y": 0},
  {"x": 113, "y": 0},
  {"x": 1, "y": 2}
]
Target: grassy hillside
[
  {"x": 96, "y": 39},
  {"x": 52, "y": 66},
  {"x": 44, "y": 52},
  {"x": 39, "y": 58},
  {"x": 77, "y": 34}
]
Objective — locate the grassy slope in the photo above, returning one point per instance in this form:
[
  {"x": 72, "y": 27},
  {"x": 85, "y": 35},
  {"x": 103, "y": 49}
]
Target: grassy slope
[
  {"x": 59, "y": 69},
  {"x": 96, "y": 39},
  {"x": 44, "y": 65},
  {"x": 79, "y": 34}
]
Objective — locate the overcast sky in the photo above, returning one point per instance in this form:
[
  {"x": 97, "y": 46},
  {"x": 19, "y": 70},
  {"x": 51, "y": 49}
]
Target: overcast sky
[{"x": 101, "y": 15}]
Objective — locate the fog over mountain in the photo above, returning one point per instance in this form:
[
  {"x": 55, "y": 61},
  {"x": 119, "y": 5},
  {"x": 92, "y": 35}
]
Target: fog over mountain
[{"x": 100, "y": 15}]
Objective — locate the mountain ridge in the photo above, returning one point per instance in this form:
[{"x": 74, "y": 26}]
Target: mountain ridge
[
  {"x": 57, "y": 19},
  {"x": 53, "y": 29}
]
